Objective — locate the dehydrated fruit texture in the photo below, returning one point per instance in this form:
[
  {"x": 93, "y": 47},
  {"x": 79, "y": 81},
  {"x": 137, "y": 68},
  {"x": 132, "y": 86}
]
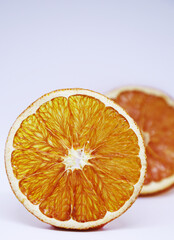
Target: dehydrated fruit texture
[
  {"x": 76, "y": 158},
  {"x": 154, "y": 114}
]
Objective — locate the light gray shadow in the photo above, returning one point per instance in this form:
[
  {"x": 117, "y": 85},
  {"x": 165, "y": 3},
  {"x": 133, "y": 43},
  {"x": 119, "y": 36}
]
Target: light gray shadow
[{"x": 13, "y": 211}]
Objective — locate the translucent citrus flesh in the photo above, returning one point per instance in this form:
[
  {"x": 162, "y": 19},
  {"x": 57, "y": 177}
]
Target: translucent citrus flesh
[
  {"x": 155, "y": 117},
  {"x": 43, "y": 161}
]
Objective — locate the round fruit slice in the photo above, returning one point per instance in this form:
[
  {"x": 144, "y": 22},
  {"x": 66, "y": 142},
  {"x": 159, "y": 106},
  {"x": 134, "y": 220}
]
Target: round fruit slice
[
  {"x": 153, "y": 111},
  {"x": 75, "y": 159}
]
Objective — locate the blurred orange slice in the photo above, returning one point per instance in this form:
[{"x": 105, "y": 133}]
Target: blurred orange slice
[
  {"x": 153, "y": 111},
  {"x": 75, "y": 159}
]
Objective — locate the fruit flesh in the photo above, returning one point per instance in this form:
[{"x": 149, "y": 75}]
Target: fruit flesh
[
  {"x": 44, "y": 142},
  {"x": 155, "y": 117}
]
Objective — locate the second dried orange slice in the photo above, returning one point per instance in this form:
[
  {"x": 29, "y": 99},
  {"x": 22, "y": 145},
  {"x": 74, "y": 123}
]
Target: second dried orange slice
[
  {"x": 75, "y": 159},
  {"x": 153, "y": 111}
]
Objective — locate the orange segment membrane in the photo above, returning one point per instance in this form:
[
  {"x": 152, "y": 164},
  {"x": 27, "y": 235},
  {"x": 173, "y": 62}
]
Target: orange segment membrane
[
  {"x": 86, "y": 113},
  {"x": 114, "y": 193},
  {"x": 110, "y": 166},
  {"x": 88, "y": 206},
  {"x": 58, "y": 204},
  {"x": 119, "y": 167},
  {"x": 155, "y": 117},
  {"x": 35, "y": 136},
  {"x": 27, "y": 162},
  {"x": 40, "y": 185},
  {"x": 56, "y": 117}
]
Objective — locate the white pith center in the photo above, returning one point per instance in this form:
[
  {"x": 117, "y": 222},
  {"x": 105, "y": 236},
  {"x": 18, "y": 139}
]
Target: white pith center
[{"x": 76, "y": 159}]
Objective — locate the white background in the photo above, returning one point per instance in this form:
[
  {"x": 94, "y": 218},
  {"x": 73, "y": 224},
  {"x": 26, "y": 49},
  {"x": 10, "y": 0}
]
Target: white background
[{"x": 99, "y": 45}]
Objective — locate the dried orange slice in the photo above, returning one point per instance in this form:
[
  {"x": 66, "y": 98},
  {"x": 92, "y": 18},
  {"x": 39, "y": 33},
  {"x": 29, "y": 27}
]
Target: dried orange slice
[
  {"x": 153, "y": 111},
  {"x": 75, "y": 159}
]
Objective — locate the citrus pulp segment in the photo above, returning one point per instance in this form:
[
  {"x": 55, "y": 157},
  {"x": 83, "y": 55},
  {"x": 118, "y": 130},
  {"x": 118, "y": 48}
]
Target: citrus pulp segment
[
  {"x": 153, "y": 111},
  {"x": 75, "y": 159}
]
